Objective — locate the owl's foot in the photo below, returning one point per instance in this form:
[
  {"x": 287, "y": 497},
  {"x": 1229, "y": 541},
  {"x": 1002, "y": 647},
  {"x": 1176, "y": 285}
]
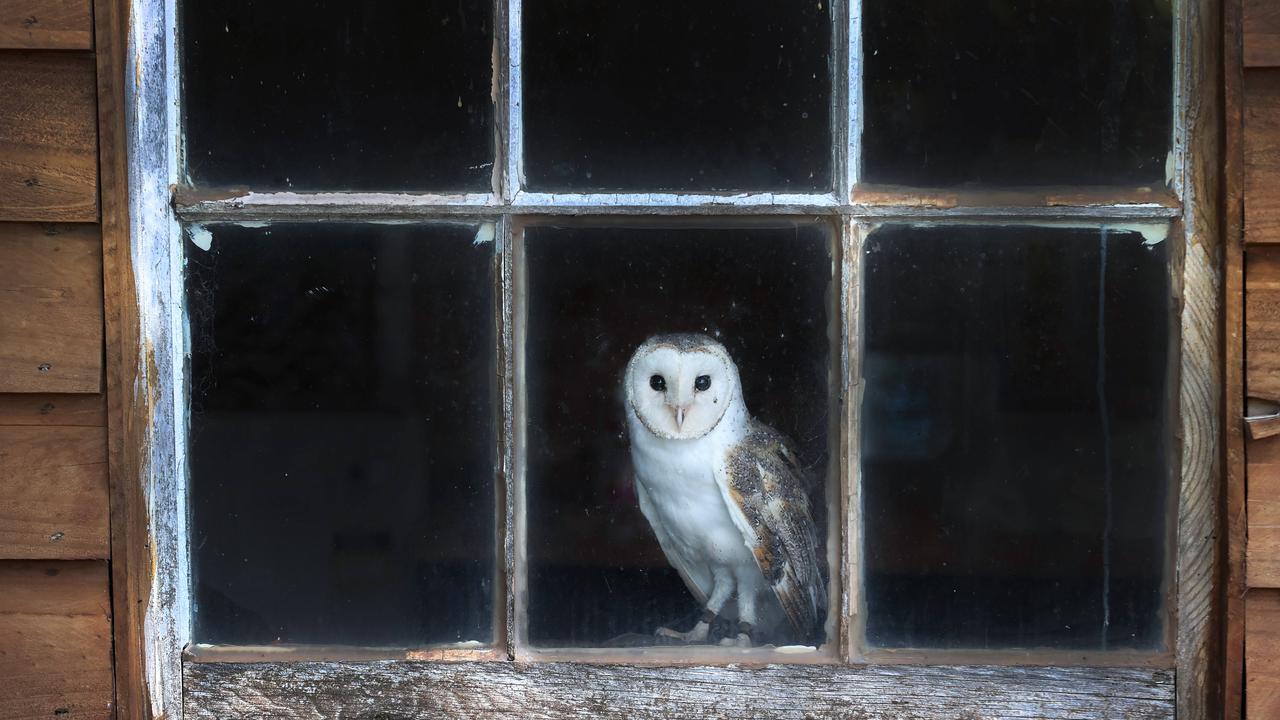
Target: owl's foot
[
  {"x": 697, "y": 634},
  {"x": 743, "y": 638}
]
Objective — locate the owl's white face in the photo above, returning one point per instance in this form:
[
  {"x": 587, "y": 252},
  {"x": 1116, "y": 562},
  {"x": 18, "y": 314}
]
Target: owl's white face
[{"x": 681, "y": 390}]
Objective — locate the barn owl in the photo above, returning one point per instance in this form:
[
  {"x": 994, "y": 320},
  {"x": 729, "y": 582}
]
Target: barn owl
[{"x": 724, "y": 495}]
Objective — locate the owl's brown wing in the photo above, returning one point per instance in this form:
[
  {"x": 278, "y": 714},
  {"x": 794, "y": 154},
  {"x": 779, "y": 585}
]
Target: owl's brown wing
[{"x": 763, "y": 480}]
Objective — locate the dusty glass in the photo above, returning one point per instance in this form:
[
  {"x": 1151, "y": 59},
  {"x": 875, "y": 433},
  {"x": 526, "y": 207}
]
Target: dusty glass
[
  {"x": 341, "y": 441},
  {"x": 1017, "y": 436},
  {"x": 329, "y": 95},
  {"x": 668, "y": 95},
  {"x": 1017, "y": 92}
]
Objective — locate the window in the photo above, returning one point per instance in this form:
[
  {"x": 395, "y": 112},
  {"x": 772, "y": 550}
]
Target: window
[
  {"x": 341, "y": 414},
  {"x": 412, "y": 251}
]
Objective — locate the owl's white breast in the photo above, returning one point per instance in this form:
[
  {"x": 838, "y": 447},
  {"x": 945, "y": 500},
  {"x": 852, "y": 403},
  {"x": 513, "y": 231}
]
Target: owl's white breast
[{"x": 685, "y": 501}]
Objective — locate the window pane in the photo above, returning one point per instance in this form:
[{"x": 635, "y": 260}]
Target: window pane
[
  {"x": 303, "y": 95},
  {"x": 598, "y": 574},
  {"x": 1017, "y": 437},
  {"x": 667, "y": 95},
  {"x": 342, "y": 437},
  {"x": 1017, "y": 92}
]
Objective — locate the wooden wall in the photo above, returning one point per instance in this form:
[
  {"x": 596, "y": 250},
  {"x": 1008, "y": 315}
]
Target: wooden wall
[
  {"x": 1259, "y": 99},
  {"x": 55, "y": 602}
]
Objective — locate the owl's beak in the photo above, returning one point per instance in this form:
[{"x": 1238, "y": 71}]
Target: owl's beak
[{"x": 680, "y": 417}]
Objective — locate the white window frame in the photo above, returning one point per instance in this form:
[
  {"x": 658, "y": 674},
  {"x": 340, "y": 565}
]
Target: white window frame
[{"x": 986, "y": 683}]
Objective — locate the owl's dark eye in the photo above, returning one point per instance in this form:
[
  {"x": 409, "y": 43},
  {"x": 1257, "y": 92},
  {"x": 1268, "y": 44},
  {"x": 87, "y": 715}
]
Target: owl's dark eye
[
  {"x": 702, "y": 383},
  {"x": 659, "y": 383}
]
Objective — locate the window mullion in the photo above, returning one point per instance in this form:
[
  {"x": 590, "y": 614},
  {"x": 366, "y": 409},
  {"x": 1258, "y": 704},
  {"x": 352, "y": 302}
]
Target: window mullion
[
  {"x": 511, "y": 93},
  {"x": 849, "y": 94},
  {"x": 505, "y": 625}
]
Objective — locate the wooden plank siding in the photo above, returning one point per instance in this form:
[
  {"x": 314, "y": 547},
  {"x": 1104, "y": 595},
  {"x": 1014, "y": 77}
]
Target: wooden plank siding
[
  {"x": 56, "y": 410},
  {"x": 1256, "y": 103},
  {"x": 50, "y": 308},
  {"x": 1262, "y": 33},
  {"x": 1262, "y": 654},
  {"x": 1262, "y": 156},
  {"x": 53, "y": 493},
  {"x": 55, "y": 640},
  {"x": 1263, "y": 554},
  {"x": 46, "y": 25},
  {"x": 1262, "y": 323},
  {"x": 48, "y": 137}
]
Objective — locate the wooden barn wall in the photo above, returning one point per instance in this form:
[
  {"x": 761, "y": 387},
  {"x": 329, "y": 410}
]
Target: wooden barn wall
[
  {"x": 55, "y": 599},
  {"x": 1258, "y": 98}
]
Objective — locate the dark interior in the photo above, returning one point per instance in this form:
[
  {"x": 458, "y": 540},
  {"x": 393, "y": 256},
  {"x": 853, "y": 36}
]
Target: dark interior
[
  {"x": 334, "y": 95},
  {"x": 669, "y": 95},
  {"x": 342, "y": 436},
  {"x": 1017, "y": 92},
  {"x": 1017, "y": 448},
  {"x": 596, "y": 573}
]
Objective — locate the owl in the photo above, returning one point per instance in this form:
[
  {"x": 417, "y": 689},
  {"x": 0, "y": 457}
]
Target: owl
[{"x": 724, "y": 494}]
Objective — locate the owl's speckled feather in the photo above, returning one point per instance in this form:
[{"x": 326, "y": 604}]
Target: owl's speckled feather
[{"x": 766, "y": 482}]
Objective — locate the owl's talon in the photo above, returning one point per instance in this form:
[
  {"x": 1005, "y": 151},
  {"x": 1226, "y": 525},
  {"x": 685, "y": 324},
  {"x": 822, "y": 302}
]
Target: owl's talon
[{"x": 695, "y": 635}]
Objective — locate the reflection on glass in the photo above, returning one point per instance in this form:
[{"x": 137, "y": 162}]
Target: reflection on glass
[
  {"x": 341, "y": 434},
  {"x": 328, "y": 95},
  {"x": 1016, "y": 437},
  {"x": 1017, "y": 92},
  {"x": 667, "y": 95},
  {"x": 635, "y": 472}
]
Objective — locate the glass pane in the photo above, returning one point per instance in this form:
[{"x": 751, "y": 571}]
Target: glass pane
[
  {"x": 328, "y": 95},
  {"x": 1017, "y": 92},
  {"x": 341, "y": 444},
  {"x": 600, "y": 571},
  {"x": 1017, "y": 437},
  {"x": 668, "y": 95}
]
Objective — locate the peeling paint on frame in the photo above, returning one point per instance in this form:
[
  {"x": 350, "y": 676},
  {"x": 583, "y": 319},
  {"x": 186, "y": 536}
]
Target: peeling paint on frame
[
  {"x": 155, "y": 153},
  {"x": 153, "y": 137}
]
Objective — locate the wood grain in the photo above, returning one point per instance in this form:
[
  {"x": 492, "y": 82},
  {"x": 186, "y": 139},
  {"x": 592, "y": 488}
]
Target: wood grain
[
  {"x": 1261, "y": 33},
  {"x": 148, "y": 681},
  {"x": 1198, "y": 592},
  {"x": 242, "y": 204},
  {"x": 48, "y": 137},
  {"x": 1233, "y": 487},
  {"x": 53, "y": 492},
  {"x": 554, "y": 690},
  {"x": 1262, "y": 661},
  {"x": 67, "y": 410},
  {"x": 1263, "y": 549},
  {"x": 55, "y": 640},
  {"x": 1262, "y": 156},
  {"x": 46, "y": 24},
  {"x": 50, "y": 308},
  {"x": 1198, "y": 178},
  {"x": 867, "y": 195},
  {"x": 1262, "y": 323}
]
